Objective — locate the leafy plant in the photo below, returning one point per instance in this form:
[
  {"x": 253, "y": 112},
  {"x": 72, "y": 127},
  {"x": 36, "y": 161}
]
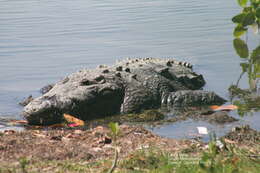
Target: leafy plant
[
  {"x": 151, "y": 160},
  {"x": 114, "y": 127},
  {"x": 251, "y": 67},
  {"x": 23, "y": 163},
  {"x": 249, "y": 17},
  {"x": 208, "y": 162},
  {"x": 214, "y": 161}
]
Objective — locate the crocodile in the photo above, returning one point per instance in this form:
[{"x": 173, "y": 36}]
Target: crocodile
[{"x": 129, "y": 86}]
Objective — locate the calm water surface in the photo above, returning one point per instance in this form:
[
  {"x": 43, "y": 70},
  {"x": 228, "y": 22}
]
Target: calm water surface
[{"x": 42, "y": 41}]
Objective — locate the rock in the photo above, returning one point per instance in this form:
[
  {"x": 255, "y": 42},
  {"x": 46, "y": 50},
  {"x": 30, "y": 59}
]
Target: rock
[
  {"x": 221, "y": 117},
  {"x": 201, "y": 114},
  {"x": 243, "y": 134}
]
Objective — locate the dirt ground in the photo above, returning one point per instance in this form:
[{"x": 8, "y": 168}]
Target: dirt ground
[
  {"x": 78, "y": 144},
  {"x": 95, "y": 144}
]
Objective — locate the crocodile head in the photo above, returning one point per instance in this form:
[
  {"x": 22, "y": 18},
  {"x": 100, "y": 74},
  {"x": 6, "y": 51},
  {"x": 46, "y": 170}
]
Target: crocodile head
[{"x": 87, "y": 98}]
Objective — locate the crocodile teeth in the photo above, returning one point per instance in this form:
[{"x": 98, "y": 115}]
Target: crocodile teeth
[{"x": 102, "y": 66}]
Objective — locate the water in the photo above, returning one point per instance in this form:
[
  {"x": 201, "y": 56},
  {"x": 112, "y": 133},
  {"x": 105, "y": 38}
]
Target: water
[{"x": 42, "y": 41}]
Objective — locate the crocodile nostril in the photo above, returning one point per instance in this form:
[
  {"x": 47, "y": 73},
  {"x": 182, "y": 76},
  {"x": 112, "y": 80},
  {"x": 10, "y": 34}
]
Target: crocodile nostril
[
  {"x": 127, "y": 70},
  {"x": 169, "y": 63}
]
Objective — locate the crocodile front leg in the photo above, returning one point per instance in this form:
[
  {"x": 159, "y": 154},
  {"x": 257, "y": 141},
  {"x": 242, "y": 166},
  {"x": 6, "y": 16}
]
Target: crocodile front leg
[
  {"x": 137, "y": 99},
  {"x": 192, "y": 98}
]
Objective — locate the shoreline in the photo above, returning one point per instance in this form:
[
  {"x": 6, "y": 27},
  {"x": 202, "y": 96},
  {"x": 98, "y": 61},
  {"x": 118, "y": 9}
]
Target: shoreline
[{"x": 92, "y": 146}]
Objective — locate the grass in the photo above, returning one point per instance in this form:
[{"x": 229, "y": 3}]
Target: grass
[
  {"x": 153, "y": 160},
  {"x": 55, "y": 166},
  {"x": 149, "y": 160},
  {"x": 231, "y": 160}
]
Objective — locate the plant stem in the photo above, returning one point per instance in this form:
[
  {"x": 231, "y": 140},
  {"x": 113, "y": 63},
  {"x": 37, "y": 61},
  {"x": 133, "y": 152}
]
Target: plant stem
[{"x": 111, "y": 170}]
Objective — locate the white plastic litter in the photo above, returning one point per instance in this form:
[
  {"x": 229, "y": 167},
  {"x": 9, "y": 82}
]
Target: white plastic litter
[
  {"x": 219, "y": 144},
  {"x": 202, "y": 130}
]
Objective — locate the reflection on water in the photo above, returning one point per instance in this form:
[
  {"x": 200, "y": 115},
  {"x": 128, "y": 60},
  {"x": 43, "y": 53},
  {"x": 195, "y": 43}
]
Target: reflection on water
[
  {"x": 188, "y": 129},
  {"x": 42, "y": 41}
]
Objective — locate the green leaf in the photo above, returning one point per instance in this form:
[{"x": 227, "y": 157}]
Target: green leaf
[
  {"x": 205, "y": 157},
  {"x": 242, "y": 3},
  {"x": 114, "y": 128},
  {"x": 247, "y": 9},
  {"x": 255, "y": 56},
  {"x": 249, "y": 19},
  {"x": 253, "y": 1},
  {"x": 257, "y": 69},
  {"x": 239, "y": 30},
  {"x": 202, "y": 165},
  {"x": 239, "y": 18},
  {"x": 241, "y": 48},
  {"x": 257, "y": 13},
  {"x": 244, "y": 66}
]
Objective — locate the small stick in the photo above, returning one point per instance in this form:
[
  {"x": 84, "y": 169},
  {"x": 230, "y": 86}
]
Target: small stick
[{"x": 111, "y": 170}]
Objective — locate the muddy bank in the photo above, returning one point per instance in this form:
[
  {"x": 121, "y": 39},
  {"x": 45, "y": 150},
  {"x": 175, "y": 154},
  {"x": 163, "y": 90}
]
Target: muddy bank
[
  {"x": 162, "y": 117},
  {"x": 79, "y": 144},
  {"x": 96, "y": 143},
  {"x": 78, "y": 150},
  {"x": 244, "y": 134}
]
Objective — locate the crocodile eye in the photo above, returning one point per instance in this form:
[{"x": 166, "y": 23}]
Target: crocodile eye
[
  {"x": 166, "y": 73},
  {"x": 87, "y": 82},
  {"x": 99, "y": 78},
  {"x": 105, "y": 71}
]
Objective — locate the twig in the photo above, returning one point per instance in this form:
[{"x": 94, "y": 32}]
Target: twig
[{"x": 111, "y": 170}]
